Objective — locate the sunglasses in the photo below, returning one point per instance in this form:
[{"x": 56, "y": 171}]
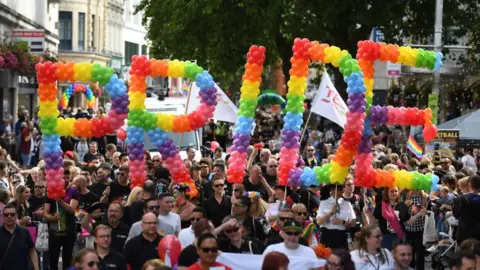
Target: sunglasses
[
  {"x": 238, "y": 205},
  {"x": 9, "y": 214},
  {"x": 121, "y": 174},
  {"x": 283, "y": 218},
  {"x": 92, "y": 263},
  {"x": 156, "y": 207},
  {"x": 195, "y": 219},
  {"x": 273, "y": 166},
  {"x": 156, "y": 160},
  {"x": 295, "y": 233},
  {"x": 237, "y": 190},
  {"x": 302, "y": 214},
  {"x": 219, "y": 185},
  {"x": 39, "y": 186},
  {"x": 209, "y": 250},
  {"x": 232, "y": 230}
]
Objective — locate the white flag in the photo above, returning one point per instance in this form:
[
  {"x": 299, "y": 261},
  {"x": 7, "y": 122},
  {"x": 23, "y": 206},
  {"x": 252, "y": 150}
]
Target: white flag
[
  {"x": 225, "y": 110},
  {"x": 328, "y": 103}
]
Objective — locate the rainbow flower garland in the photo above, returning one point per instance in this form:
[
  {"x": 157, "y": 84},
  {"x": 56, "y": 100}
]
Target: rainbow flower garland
[
  {"x": 53, "y": 127},
  {"x": 246, "y": 113},
  {"x": 77, "y": 88},
  {"x": 356, "y": 139},
  {"x": 156, "y": 124}
]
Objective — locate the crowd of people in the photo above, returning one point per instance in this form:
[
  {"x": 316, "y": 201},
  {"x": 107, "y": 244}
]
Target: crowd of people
[{"x": 103, "y": 223}]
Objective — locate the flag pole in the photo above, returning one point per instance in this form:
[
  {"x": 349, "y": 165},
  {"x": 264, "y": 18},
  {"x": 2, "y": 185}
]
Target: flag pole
[
  {"x": 186, "y": 110},
  {"x": 305, "y": 127}
]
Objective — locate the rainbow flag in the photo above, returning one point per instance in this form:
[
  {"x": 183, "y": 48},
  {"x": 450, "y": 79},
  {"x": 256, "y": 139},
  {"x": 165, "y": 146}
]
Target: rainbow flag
[{"x": 413, "y": 146}]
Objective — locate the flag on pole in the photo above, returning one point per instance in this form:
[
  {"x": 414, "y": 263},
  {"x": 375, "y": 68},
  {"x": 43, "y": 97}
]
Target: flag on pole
[
  {"x": 328, "y": 103},
  {"x": 225, "y": 111},
  {"x": 414, "y": 147}
]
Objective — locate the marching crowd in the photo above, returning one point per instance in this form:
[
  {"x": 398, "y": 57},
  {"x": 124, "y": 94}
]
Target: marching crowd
[{"x": 102, "y": 223}]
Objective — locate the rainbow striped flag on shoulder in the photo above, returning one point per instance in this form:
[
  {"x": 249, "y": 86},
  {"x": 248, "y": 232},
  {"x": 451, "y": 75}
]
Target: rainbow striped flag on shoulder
[{"x": 414, "y": 147}]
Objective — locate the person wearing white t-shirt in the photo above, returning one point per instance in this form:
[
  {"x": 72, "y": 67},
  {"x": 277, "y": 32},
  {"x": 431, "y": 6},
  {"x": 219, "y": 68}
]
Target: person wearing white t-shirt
[
  {"x": 186, "y": 236},
  {"x": 335, "y": 215},
  {"x": 370, "y": 254},
  {"x": 165, "y": 200},
  {"x": 291, "y": 234}
]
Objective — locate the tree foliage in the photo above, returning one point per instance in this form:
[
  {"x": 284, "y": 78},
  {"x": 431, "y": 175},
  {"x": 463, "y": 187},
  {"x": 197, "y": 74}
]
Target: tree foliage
[{"x": 218, "y": 33}]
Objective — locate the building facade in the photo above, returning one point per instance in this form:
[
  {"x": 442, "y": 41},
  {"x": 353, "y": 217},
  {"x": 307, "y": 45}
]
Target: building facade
[{"x": 22, "y": 15}]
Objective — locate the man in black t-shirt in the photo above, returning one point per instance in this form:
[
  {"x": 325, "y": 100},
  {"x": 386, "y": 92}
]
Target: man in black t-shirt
[
  {"x": 93, "y": 152},
  {"x": 118, "y": 229},
  {"x": 109, "y": 259},
  {"x": 103, "y": 178},
  {"x": 120, "y": 189},
  {"x": 143, "y": 247},
  {"x": 256, "y": 182}
]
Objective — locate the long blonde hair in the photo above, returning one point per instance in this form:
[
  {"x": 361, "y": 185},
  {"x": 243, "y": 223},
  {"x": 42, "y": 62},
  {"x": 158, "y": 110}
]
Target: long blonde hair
[
  {"x": 261, "y": 208},
  {"x": 133, "y": 195}
]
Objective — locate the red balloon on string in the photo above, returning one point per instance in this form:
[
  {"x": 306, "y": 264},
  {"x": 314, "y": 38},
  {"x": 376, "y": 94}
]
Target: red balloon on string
[{"x": 171, "y": 244}]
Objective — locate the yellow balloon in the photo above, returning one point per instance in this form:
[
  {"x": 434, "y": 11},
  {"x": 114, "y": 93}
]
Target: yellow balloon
[
  {"x": 83, "y": 71},
  {"x": 176, "y": 68},
  {"x": 165, "y": 121}
]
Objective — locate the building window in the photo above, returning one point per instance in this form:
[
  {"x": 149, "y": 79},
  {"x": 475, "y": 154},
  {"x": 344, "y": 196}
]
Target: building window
[
  {"x": 92, "y": 46},
  {"x": 131, "y": 49},
  {"x": 144, "y": 50},
  {"x": 65, "y": 30},
  {"x": 81, "y": 31}
]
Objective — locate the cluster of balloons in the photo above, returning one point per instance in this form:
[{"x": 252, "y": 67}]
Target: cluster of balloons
[
  {"x": 356, "y": 139},
  {"x": 246, "y": 113},
  {"x": 271, "y": 97},
  {"x": 293, "y": 118},
  {"x": 53, "y": 127},
  {"x": 77, "y": 88},
  {"x": 155, "y": 124},
  {"x": 404, "y": 116}
]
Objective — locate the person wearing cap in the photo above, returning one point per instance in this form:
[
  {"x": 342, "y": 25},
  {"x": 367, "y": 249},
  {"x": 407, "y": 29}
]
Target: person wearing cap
[
  {"x": 69, "y": 155},
  {"x": 335, "y": 215},
  {"x": 291, "y": 233}
]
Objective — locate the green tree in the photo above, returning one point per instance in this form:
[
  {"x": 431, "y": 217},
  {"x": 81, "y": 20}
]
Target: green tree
[{"x": 218, "y": 33}]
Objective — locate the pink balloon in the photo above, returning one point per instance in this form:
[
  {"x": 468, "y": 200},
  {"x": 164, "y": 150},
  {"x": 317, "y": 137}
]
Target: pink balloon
[{"x": 214, "y": 145}]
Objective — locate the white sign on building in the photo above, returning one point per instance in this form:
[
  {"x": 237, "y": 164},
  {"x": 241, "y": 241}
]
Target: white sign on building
[{"x": 34, "y": 37}]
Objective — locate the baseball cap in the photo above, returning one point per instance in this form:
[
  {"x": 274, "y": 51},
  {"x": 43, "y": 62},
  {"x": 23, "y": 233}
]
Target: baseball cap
[{"x": 292, "y": 225}]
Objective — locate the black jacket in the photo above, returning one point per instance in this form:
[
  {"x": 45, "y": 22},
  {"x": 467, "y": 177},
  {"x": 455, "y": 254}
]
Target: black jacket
[{"x": 465, "y": 209}]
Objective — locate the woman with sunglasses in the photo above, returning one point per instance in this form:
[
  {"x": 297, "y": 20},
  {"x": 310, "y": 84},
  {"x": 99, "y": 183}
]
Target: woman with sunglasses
[
  {"x": 182, "y": 206},
  {"x": 86, "y": 259},
  {"x": 207, "y": 249},
  {"x": 310, "y": 229},
  {"x": 370, "y": 254},
  {"x": 233, "y": 242},
  {"x": 335, "y": 215}
]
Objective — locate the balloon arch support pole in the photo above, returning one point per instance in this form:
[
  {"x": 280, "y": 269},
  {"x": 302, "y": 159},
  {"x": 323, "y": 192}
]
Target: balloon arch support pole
[
  {"x": 306, "y": 125},
  {"x": 186, "y": 111},
  {"x": 336, "y": 202},
  {"x": 59, "y": 228}
]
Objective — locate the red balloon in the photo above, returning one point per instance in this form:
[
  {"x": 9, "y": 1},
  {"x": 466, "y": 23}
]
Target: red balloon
[
  {"x": 171, "y": 244},
  {"x": 121, "y": 134},
  {"x": 429, "y": 133}
]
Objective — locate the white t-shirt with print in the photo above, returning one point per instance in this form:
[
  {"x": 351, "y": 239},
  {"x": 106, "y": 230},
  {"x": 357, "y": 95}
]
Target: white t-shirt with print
[{"x": 301, "y": 251}]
